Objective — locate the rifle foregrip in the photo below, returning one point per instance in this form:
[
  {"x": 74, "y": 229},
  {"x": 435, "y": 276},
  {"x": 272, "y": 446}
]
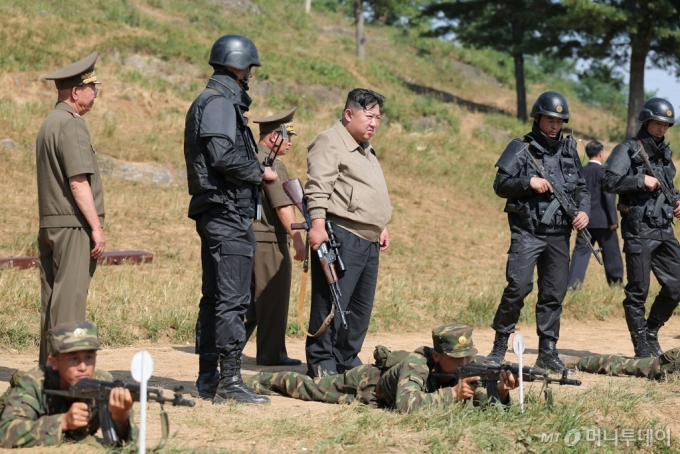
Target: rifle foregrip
[{"x": 298, "y": 226}]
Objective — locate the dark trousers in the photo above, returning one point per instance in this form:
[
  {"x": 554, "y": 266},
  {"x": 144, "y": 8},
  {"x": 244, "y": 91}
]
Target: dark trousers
[
  {"x": 337, "y": 349},
  {"x": 662, "y": 257},
  {"x": 227, "y": 246},
  {"x": 608, "y": 241},
  {"x": 550, "y": 255},
  {"x": 268, "y": 310}
]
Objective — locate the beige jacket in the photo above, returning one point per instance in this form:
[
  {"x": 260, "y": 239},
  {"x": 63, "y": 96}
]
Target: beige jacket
[{"x": 346, "y": 185}]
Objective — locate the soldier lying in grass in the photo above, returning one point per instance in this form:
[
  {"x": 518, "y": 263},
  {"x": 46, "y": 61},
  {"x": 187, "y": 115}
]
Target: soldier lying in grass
[
  {"x": 32, "y": 418},
  {"x": 405, "y": 386},
  {"x": 655, "y": 368}
]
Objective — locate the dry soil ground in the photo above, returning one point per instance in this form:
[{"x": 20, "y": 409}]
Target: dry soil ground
[{"x": 209, "y": 426}]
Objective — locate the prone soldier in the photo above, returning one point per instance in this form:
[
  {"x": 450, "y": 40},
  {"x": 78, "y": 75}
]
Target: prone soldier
[
  {"x": 406, "y": 385},
  {"x": 653, "y": 368},
  {"x": 32, "y": 418}
]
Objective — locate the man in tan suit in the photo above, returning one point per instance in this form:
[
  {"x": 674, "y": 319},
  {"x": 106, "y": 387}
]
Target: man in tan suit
[
  {"x": 272, "y": 267},
  {"x": 70, "y": 200},
  {"x": 346, "y": 186}
]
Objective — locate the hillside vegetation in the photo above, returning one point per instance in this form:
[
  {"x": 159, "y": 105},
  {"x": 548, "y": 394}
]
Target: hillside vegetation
[{"x": 449, "y": 234}]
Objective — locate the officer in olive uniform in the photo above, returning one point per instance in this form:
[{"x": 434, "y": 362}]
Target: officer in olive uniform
[
  {"x": 537, "y": 242},
  {"x": 272, "y": 267},
  {"x": 401, "y": 380},
  {"x": 347, "y": 187},
  {"x": 29, "y": 417},
  {"x": 224, "y": 176},
  {"x": 70, "y": 200},
  {"x": 649, "y": 243}
]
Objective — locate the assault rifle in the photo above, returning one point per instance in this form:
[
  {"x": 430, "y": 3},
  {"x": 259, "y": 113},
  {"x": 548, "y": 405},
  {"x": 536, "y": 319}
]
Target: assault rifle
[
  {"x": 283, "y": 136},
  {"x": 490, "y": 373},
  {"x": 89, "y": 390},
  {"x": 328, "y": 256},
  {"x": 560, "y": 199},
  {"x": 489, "y": 376},
  {"x": 268, "y": 162},
  {"x": 665, "y": 192}
]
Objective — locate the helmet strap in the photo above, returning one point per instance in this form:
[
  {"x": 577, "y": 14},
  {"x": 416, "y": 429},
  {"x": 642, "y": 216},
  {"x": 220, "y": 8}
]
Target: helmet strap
[{"x": 243, "y": 80}]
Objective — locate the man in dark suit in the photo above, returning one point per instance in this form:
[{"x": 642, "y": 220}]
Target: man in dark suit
[{"x": 602, "y": 225}]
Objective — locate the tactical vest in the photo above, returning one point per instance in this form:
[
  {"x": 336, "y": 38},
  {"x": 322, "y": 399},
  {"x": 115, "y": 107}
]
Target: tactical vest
[
  {"x": 201, "y": 176},
  {"x": 528, "y": 211},
  {"x": 642, "y": 205}
]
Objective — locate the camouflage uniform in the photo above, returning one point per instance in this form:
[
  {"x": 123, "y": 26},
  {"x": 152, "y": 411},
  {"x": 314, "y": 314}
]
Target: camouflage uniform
[
  {"x": 653, "y": 368},
  {"x": 405, "y": 386},
  {"x": 31, "y": 418}
]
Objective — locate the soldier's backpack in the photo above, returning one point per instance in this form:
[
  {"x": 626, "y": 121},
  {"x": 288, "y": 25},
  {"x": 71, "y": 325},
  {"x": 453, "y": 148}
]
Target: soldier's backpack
[
  {"x": 13, "y": 383},
  {"x": 386, "y": 359}
]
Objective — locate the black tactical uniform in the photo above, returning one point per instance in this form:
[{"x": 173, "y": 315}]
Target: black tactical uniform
[
  {"x": 223, "y": 176},
  {"x": 648, "y": 239},
  {"x": 544, "y": 245}
]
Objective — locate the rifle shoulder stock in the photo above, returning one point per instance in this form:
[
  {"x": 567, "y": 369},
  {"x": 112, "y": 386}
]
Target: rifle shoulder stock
[{"x": 293, "y": 190}]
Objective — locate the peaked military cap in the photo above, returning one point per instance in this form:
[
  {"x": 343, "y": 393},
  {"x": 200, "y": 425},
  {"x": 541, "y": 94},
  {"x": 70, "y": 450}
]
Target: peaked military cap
[
  {"x": 274, "y": 122},
  {"x": 73, "y": 337},
  {"x": 454, "y": 340},
  {"x": 78, "y": 73}
]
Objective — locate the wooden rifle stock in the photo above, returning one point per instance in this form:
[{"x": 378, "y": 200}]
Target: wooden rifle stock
[{"x": 327, "y": 258}]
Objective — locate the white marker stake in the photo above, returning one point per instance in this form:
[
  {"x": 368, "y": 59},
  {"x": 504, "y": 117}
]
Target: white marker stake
[
  {"x": 141, "y": 370},
  {"x": 518, "y": 348}
]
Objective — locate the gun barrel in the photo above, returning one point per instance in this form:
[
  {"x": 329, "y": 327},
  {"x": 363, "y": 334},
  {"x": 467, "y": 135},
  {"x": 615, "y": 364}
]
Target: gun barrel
[{"x": 565, "y": 381}]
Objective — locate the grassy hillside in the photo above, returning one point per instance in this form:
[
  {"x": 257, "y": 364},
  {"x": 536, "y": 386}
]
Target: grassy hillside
[{"x": 449, "y": 234}]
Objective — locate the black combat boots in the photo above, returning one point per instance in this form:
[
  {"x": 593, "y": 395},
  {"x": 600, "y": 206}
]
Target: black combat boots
[
  {"x": 231, "y": 387},
  {"x": 653, "y": 339},
  {"x": 208, "y": 375},
  {"x": 548, "y": 358},
  {"x": 640, "y": 344},
  {"x": 500, "y": 346}
]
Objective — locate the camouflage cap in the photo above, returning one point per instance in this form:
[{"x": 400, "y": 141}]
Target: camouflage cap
[
  {"x": 454, "y": 340},
  {"x": 73, "y": 337}
]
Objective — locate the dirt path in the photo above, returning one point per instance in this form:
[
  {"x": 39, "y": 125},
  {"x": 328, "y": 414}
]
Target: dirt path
[{"x": 176, "y": 364}]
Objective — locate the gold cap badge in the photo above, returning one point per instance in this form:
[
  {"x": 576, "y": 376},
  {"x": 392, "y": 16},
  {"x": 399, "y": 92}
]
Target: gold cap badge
[
  {"x": 669, "y": 112},
  {"x": 79, "y": 333},
  {"x": 462, "y": 340},
  {"x": 559, "y": 109}
]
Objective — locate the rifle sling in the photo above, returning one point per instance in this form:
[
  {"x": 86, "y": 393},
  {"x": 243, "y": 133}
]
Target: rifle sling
[{"x": 301, "y": 303}]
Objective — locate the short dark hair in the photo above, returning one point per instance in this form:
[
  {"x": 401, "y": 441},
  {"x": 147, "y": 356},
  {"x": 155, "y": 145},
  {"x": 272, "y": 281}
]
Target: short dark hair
[
  {"x": 594, "y": 148},
  {"x": 361, "y": 98}
]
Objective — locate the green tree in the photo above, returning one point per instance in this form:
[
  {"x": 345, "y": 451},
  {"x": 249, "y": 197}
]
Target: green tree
[
  {"x": 516, "y": 27},
  {"x": 633, "y": 32}
]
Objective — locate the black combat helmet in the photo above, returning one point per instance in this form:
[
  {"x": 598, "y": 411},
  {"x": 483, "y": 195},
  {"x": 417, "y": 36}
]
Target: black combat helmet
[
  {"x": 657, "y": 109},
  {"x": 552, "y": 104},
  {"x": 235, "y": 51}
]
